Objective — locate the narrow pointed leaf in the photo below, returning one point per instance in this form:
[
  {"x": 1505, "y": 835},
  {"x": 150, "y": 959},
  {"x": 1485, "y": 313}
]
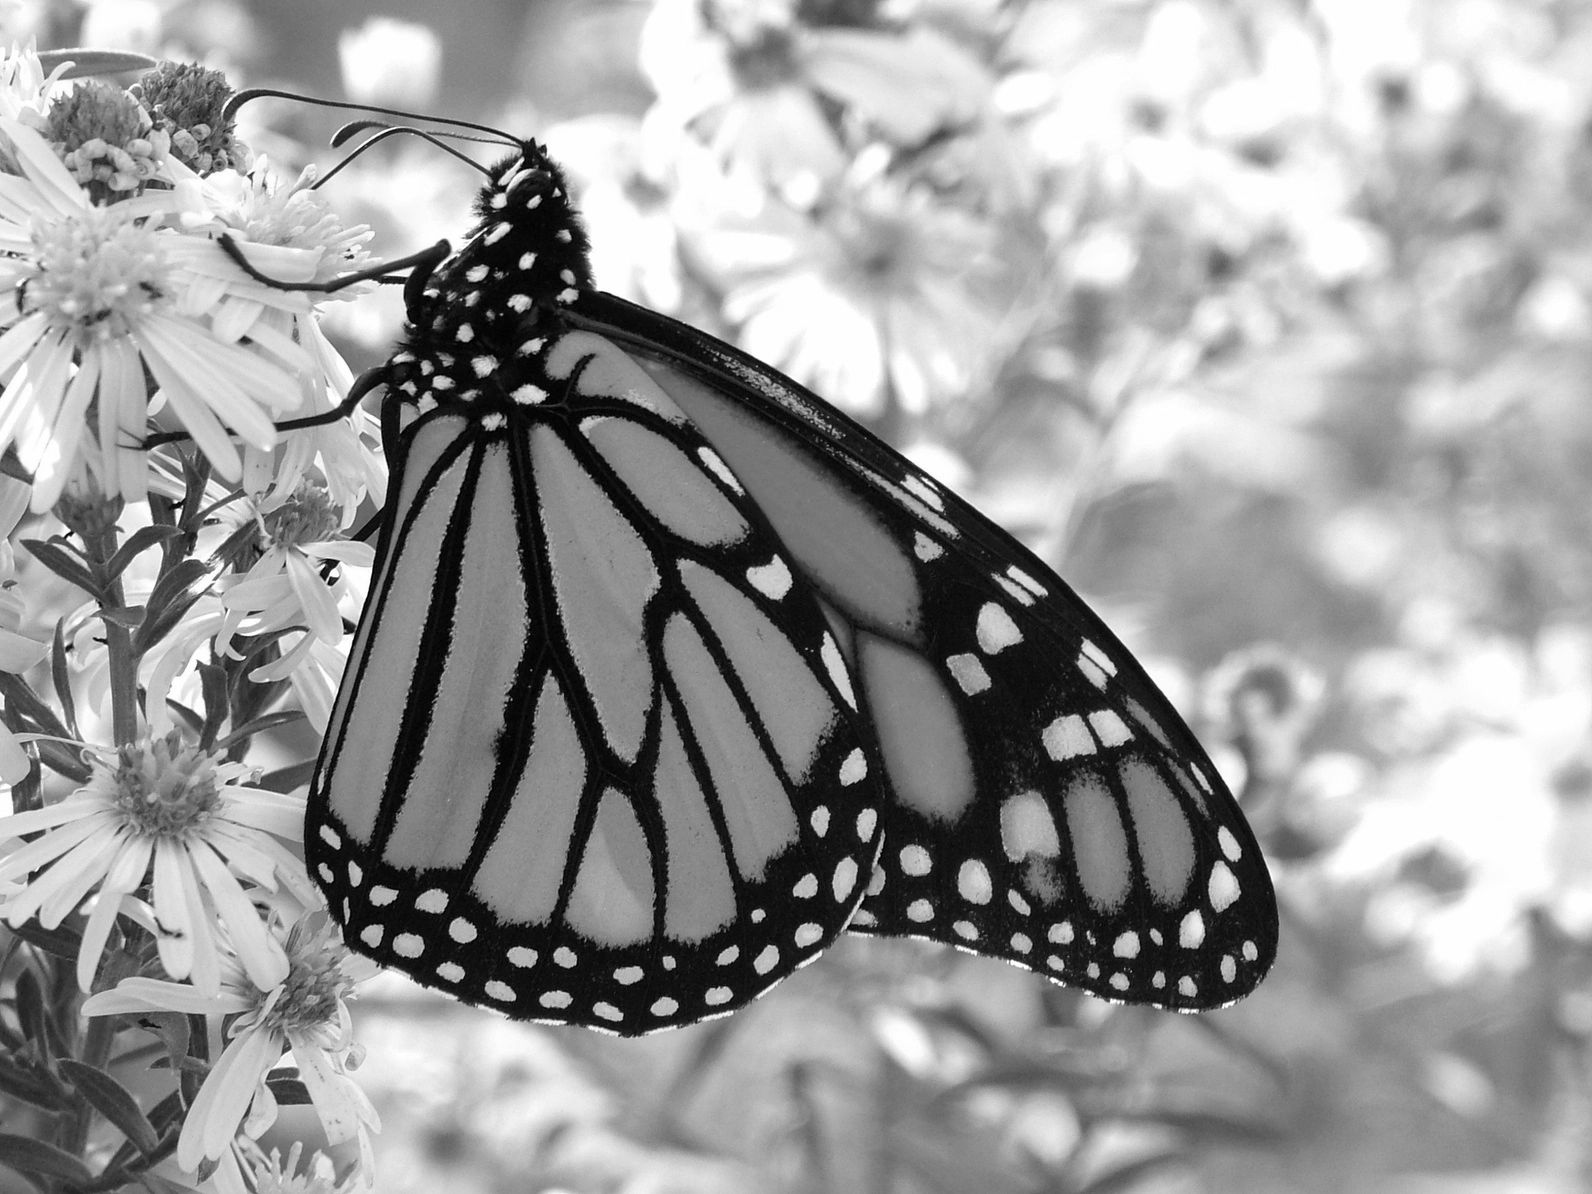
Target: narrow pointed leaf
[
  {"x": 35, "y": 1157},
  {"x": 89, "y": 63},
  {"x": 61, "y": 678},
  {"x": 173, "y": 595},
  {"x": 66, "y": 564},
  {"x": 113, "y": 1101},
  {"x": 136, "y": 544}
]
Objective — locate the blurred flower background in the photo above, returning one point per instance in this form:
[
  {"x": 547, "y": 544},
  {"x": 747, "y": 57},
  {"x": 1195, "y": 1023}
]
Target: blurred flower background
[{"x": 1268, "y": 323}]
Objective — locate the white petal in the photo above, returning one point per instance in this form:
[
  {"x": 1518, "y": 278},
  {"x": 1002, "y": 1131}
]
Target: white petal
[
  {"x": 156, "y": 995},
  {"x": 261, "y": 954},
  {"x": 229, "y": 1088}
]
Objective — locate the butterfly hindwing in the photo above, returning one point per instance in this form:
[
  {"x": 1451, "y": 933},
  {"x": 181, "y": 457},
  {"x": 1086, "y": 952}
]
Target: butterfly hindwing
[
  {"x": 1047, "y": 805},
  {"x": 596, "y": 759}
]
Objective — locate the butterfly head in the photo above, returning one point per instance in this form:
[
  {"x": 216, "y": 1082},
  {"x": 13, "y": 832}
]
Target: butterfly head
[
  {"x": 526, "y": 256},
  {"x": 527, "y": 251}
]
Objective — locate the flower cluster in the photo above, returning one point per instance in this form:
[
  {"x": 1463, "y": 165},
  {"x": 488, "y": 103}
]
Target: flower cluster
[{"x": 144, "y": 370}]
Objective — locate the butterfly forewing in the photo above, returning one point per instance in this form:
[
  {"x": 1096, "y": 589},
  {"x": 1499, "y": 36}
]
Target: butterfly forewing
[
  {"x": 1047, "y": 805},
  {"x": 597, "y": 758}
]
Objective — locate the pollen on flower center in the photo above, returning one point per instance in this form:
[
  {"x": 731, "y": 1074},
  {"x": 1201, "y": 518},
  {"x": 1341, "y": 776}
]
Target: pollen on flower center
[
  {"x": 165, "y": 788},
  {"x": 95, "y": 274},
  {"x": 306, "y": 517},
  {"x": 308, "y": 997}
]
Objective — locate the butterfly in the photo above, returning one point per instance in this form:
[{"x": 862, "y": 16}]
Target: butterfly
[{"x": 670, "y": 674}]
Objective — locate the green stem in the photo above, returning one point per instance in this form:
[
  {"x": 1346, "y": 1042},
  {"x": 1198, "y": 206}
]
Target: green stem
[{"x": 101, "y": 545}]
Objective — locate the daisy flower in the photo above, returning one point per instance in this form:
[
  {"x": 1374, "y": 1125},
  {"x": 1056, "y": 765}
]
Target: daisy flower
[
  {"x": 285, "y": 544},
  {"x": 283, "y": 588},
  {"x": 97, "y": 291},
  {"x": 877, "y": 298},
  {"x": 761, "y": 85},
  {"x": 295, "y": 1173},
  {"x": 18, "y": 652},
  {"x": 25, "y": 89},
  {"x": 179, "y": 822},
  {"x": 305, "y": 1011},
  {"x": 289, "y": 233}
]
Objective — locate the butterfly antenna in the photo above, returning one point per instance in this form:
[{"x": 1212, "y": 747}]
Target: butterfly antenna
[
  {"x": 253, "y": 93},
  {"x": 388, "y": 131},
  {"x": 360, "y": 126}
]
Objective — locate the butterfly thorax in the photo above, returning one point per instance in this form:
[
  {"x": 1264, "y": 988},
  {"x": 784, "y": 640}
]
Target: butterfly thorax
[{"x": 473, "y": 336}]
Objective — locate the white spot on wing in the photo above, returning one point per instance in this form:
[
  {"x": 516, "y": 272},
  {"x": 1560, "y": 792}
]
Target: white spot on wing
[
  {"x": 1028, "y": 582},
  {"x": 1223, "y": 887},
  {"x": 854, "y": 769},
  {"x": 1229, "y": 844},
  {"x": 772, "y": 579},
  {"x": 973, "y": 882},
  {"x": 1109, "y": 728},
  {"x": 1191, "y": 931},
  {"x": 924, "y": 548},
  {"x": 835, "y": 665},
  {"x": 996, "y": 630},
  {"x": 845, "y": 879},
  {"x": 969, "y": 673},
  {"x": 1067, "y": 738},
  {"x": 924, "y": 492},
  {"x": 715, "y": 465},
  {"x": 1101, "y": 659}
]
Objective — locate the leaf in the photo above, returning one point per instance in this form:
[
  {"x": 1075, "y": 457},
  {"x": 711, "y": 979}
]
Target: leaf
[
  {"x": 128, "y": 617},
  {"x": 171, "y": 597},
  {"x": 135, "y": 545},
  {"x": 63, "y": 560},
  {"x": 288, "y": 1088},
  {"x": 20, "y": 698},
  {"x": 213, "y": 688},
  {"x": 1134, "y": 1175},
  {"x": 266, "y": 721},
  {"x": 34, "y": 1156},
  {"x": 113, "y": 1101},
  {"x": 285, "y": 779},
  {"x": 59, "y": 942},
  {"x": 31, "y": 1013},
  {"x": 28, "y": 1086},
  {"x": 88, "y": 63},
  {"x": 61, "y": 678}
]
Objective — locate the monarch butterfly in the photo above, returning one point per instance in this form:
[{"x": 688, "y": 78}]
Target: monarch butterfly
[{"x": 670, "y": 674}]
